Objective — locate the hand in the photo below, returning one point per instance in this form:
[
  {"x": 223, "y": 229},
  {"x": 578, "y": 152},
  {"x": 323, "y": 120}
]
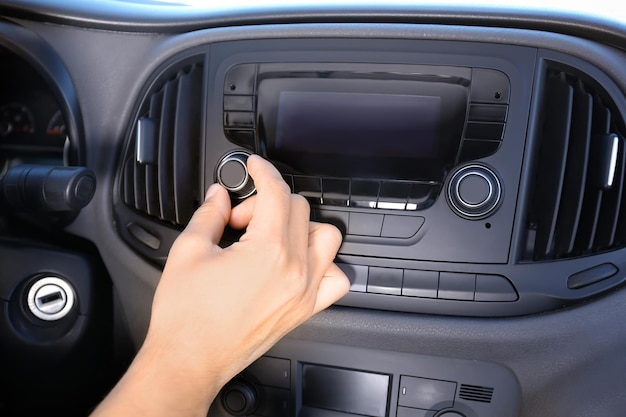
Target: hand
[{"x": 216, "y": 310}]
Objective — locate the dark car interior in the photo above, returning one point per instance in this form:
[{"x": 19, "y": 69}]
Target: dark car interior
[{"x": 473, "y": 157}]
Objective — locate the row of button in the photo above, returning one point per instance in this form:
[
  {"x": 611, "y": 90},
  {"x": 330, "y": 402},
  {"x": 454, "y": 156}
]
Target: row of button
[
  {"x": 370, "y": 224},
  {"x": 346, "y": 192},
  {"x": 429, "y": 284}
]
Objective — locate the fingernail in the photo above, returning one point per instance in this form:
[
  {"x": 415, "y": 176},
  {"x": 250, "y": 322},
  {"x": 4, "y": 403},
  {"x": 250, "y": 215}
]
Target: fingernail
[{"x": 211, "y": 191}]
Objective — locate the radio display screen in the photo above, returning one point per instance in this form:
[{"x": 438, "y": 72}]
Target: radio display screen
[
  {"x": 358, "y": 128},
  {"x": 349, "y": 124}
]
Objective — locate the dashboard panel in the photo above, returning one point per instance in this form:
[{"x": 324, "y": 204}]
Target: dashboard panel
[{"x": 484, "y": 244}]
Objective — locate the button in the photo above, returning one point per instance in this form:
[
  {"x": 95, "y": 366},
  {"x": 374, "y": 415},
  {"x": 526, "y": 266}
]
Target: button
[
  {"x": 274, "y": 372},
  {"x": 489, "y": 86},
  {"x": 487, "y": 113},
  {"x": 339, "y": 219},
  {"x": 401, "y": 227},
  {"x": 591, "y": 276},
  {"x": 240, "y": 137},
  {"x": 476, "y": 149},
  {"x": 357, "y": 274},
  {"x": 484, "y": 130},
  {"x": 240, "y": 79},
  {"x": 364, "y": 193},
  {"x": 474, "y": 191},
  {"x": 412, "y": 412},
  {"x": 238, "y": 103},
  {"x": 385, "y": 281},
  {"x": 336, "y": 191},
  {"x": 494, "y": 288},
  {"x": 420, "y": 196},
  {"x": 456, "y": 286},
  {"x": 309, "y": 187},
  {"x": 239, "y": 120},
  {"x": 420, "y": 283},
  {"x": 393, "y": 195},
  {"x": 427, "y": 394},
  {"x": 274, "y": 402},
  {"x": 365, "y": 224}
]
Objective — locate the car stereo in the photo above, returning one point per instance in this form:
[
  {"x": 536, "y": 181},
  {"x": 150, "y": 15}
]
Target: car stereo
[{"x": 372, "y": 135}]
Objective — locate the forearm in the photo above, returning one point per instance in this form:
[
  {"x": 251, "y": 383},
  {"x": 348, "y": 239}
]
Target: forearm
[{"x": 158, "y": 384}]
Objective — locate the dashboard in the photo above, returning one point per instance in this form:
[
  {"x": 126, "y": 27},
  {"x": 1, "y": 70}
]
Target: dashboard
[{"x": 473, "y": 158}]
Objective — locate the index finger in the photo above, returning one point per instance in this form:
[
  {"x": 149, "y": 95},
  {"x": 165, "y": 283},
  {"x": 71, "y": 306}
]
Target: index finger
[{"x": 273, "y": 199}]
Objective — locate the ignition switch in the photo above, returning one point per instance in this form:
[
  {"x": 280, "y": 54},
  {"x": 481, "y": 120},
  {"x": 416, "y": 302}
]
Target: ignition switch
[{"x": 51, "y": 298}]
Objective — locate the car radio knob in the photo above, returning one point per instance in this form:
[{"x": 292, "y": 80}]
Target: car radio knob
[
  {"x": 240, "y": 398},
  {"x": 474, "y": 191},
  {"x": 232, "y": 174}
]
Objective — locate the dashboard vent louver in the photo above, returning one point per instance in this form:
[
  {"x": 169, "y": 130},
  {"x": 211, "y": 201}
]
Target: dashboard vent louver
[
  {"x": 476, "y": 393},
  {"x": 161, "y": 174},
  {"x": 579, "y": 176}
]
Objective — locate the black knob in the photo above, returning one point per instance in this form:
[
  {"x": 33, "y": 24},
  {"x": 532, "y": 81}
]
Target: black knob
[
  {"x": 240, "y": 398},
  {"x": 232, "y": 173},
  {"x": 474, "y": 191}
]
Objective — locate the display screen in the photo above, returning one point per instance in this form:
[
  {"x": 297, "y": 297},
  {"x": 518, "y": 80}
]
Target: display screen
[
  {"x": 385, "y": 125},
  {"x": 362, "y": 125}
]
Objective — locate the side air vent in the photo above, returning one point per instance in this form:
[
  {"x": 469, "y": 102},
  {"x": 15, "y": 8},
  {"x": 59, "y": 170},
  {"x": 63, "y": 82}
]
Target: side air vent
[
  {"x": 476, "y": 393},
  {"x": 579, "y": 175},
  {"x": 161, "y": 171}
]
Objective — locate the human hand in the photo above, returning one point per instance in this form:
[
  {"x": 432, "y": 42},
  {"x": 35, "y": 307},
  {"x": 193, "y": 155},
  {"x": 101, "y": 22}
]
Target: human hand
[{"x": 217, "y": 310}]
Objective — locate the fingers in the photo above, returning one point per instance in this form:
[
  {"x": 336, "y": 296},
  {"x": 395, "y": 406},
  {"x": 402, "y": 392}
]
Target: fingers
[
  {"x": 211, "y": 218},
  {"x": 332, "y": 287},
  {"x": 272, "y": 203}
]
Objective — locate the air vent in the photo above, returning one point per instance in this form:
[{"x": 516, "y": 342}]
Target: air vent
[
  {"x": 476, "y": 393},
  {"x": 161, "y": 173},
  {"x": 579, "y": 176}
]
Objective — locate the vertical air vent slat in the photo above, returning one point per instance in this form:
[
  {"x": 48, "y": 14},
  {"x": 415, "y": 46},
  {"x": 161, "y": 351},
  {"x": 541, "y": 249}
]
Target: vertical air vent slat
[
  {"x": 556, "y": 132},
  {"x": 186, "y": 154},
  {"x": 575, "y": 173},
  {"x": 166, "y": 149},
  {"x": 592, "y": 205},
  {"x": 162, "y": 167},
  {"x": 128, "y": 183},
  {"x": 152, "y": 179},
  {"x": 578, "y": 193},
  {"x": 611, "y": 203}
]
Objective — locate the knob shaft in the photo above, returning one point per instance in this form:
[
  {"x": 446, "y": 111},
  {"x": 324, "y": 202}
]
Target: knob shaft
[
  {"x": 232, "y": 174},
  {"x": 240, "y": 398}
]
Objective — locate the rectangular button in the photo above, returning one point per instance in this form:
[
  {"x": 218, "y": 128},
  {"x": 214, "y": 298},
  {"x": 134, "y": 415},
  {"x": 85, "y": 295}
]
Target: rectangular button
[
  {"x": 357, "y": 274},
  {"x": 393, "y": 195},
  {"x": 336, "y": 191},
  {"x": 420, "y": 283},
  {"x": 365, "y": 224},
  {"x": 420, "y": 196},
  {"x": 238, "y": 103},
  {"x": 309, "y": 187},
  {"x": 476, "y": 149},
  {"x": 339, "y": 219},
  {"x": 385, "y": 281},
  {"x": 412, "y": 412},
  {"x": 401, "y": 227},
  {"x": 488, "y": 113},
  {"x": 241, "y": 137},
  {"x": 494, "y": 288},
  {"x": 240, "y": 79},
  {"x": 364, "y": 193},
  {"x": 484, "y": 131},
  {"x": 239, "y": 120},
  {"x": 427, "y": 394},
  {"x": 273, "y": 372},
  {"x": 457, "y": 286},
  {"x": 274, "y": 402}
]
